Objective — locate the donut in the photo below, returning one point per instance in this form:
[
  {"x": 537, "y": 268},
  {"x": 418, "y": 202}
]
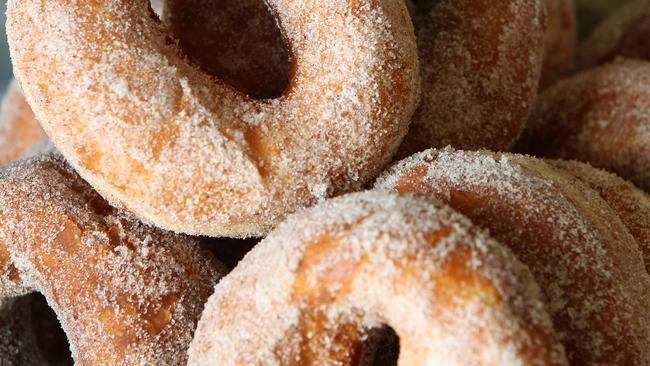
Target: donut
[
  {"x": 206, "y": 34},
  {"x": 188, "y": 153},
  {"x": 125, "y": 293},
  {"x": 311, "y": 290},
  {"x": 235, "y": 40},
  {"x": 480, "y": 67},
  {"x": 600, "y": 116},
  {"x": 623, "y": 34},
  {"x": 559, "y": 42},
  {"x": 630, "y": 203},
  {"x": 19, "y": 129},
  {"x": 587, "y": 264}
]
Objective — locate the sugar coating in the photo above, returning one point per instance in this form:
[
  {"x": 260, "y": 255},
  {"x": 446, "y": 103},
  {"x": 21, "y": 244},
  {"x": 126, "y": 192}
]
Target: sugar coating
[
  {"x": 19, "y": 128},
  {"x": 559, "y": 42},
  {"x": 308, "y": 292},
  {"x": 480, "y": 65},
  {"x": 188, "y": 153},
  {"x": 600, "y": 116},
  {"x": 125, "y": 293},
  {"x": 457, "y": 74},
  {"x": 622, "y": 34},
  {"x": 587, "y": 264},
  {"x": 630, "y": 203}
]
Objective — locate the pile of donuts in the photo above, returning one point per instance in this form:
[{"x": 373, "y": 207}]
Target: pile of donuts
[{"x": 360, "y": 182}]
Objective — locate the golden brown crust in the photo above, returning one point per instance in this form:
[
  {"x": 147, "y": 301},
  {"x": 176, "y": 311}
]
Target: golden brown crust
[
  {"x": 19, "y": 128},
  {"x": 581, "y": 254},
  {"x": 189, "y": 153},
  {"x": 630, "y": 203},
  {"x": 480, "y": 65},
  {"x": 559, "y": 42},
  {"x": 309, "y": 292},
  {"x": 600, "y": 116},
  {"x": 125, "y": 293}
]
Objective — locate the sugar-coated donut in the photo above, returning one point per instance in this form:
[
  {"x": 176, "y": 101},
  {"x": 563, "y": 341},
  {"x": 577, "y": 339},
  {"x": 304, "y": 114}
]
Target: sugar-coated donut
[
  {"x": 630, "y": 203},
  {"x": 624, "y": 33},
  {"x": 235, "y": 40},
  {"x": 559, "y": 42},
  {"x": 480, "y": 65},
  {"x": 600, "y": 116},
  {"x": 190, "y": 154},
  {"x": 125, "y": 293},
  {"x": 19, "y": 128},
  {"x": 459, "y": 72},
  {"x": 581, "y": 254},
  {"x": 310, "y": 291}
]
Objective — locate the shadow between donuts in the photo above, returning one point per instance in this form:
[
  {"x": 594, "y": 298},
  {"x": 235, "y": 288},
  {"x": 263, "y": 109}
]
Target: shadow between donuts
[{"x": 50, "y": 337}]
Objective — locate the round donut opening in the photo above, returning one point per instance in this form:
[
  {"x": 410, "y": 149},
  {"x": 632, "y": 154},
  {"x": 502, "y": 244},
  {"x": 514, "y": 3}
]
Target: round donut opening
[
  {"x": 50, "y": 337},
  {"x": 229, "y": 251},
  {"x": 381, "y": 347},
  {"x": 237, "y": 41}
]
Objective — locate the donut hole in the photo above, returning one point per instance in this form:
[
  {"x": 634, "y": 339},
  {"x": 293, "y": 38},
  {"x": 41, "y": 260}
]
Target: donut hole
[
  {"x": 50, "y": 337},
  {"x": 229, "y": 251},
  {"x": 381, "y": 348},
  {"x": 237, "y": 41}
]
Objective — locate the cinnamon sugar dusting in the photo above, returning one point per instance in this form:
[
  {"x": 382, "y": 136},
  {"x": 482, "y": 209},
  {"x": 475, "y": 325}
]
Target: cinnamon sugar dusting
[
  {"x": 581, "y": 254},
  {"x": 125, "y": 293},
  {"x": 630, "y": 203},
  {"x": 599, "y": 116},
  {"x": 480, "y": 64},
  {"x": 172, "y": 148},
  {"x": 314, "y": 287}
]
